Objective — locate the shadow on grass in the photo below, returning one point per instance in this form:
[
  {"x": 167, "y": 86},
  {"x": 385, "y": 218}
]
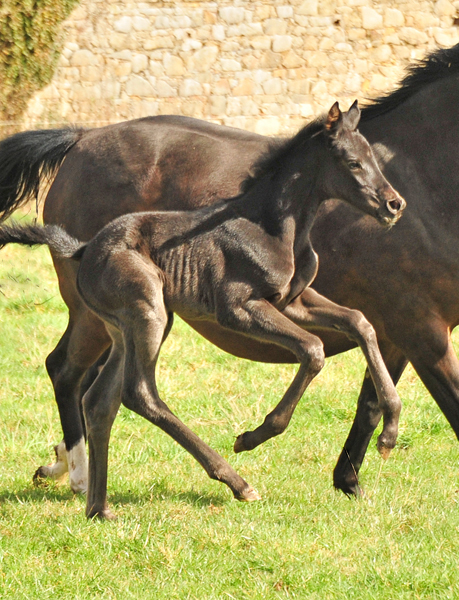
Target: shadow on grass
[
  {"x": 31, "y": 494},
  {"x": 161, "y": 493}
]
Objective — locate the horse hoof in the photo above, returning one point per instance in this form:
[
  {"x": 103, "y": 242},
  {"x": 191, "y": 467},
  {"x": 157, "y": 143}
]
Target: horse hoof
[
  {"x": 40, "y": 477},
  {"x": 249, "y": 495},
  {"x": 239, "y": 444},
  {"x": 384, "y": 450},
  {"x": 104, "y": 515},
  {"x": 351, "y": 488}
]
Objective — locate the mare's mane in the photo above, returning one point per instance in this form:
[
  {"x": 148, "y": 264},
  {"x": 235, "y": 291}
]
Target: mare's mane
[{"x": 435, "y": 66}]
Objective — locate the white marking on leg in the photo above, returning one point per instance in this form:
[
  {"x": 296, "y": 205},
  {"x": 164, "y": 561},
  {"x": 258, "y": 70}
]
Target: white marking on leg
[
  {"x": 78, "y": 468},
  {"x": 59, "y": 468}
]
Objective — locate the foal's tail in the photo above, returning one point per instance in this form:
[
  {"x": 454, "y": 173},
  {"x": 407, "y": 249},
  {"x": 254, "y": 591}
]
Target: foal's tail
[
  {"x": 58, "y": 240},
  {"x": 26, "y": 159}
]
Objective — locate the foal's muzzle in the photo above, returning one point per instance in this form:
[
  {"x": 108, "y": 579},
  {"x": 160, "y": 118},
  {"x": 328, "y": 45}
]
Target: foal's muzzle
[{"x": 392, "y": 207}]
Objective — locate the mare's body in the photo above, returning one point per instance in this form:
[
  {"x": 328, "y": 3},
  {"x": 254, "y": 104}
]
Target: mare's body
[{"x": 405, "y": 281}]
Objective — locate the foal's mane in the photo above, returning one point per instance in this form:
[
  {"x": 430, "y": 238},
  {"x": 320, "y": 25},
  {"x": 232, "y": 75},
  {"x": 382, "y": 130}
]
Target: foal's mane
[
  {"x": 272, "y": 159},
  {"x": 435, "y": 66}
]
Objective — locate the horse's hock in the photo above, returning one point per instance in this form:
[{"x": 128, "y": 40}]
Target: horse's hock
[{"x": 254, "y": 64}]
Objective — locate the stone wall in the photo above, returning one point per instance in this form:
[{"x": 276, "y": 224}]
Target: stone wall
[{"x": 256, "y": 64}]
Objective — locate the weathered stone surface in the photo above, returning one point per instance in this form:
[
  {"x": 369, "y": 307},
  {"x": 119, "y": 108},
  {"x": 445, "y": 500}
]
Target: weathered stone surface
[
  {"x": 250, "y": 63},
  {"x": 139, "y": 86},
  {"x": 371, "y": 19}
]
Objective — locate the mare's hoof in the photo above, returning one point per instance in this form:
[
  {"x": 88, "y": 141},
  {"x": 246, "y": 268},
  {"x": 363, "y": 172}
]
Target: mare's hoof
[
  {"x": 351, "y": 489},
  {"x": 249, "y": 495},
  {"x": 104, "y": 515},
  {"x": 40, "y": 477}
]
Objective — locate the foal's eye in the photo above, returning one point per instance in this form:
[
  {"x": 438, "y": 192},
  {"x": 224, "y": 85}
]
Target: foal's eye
[{"x": 354, "y": 165}]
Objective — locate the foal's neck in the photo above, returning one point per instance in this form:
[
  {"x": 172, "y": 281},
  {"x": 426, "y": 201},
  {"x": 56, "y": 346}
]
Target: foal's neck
[{"x": 285, "y": 199}]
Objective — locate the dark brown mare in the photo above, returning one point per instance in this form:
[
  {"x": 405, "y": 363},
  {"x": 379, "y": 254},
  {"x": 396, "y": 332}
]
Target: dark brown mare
[
  {"x": 244, "y": 265},
  {"x": 405, "y": 280}
]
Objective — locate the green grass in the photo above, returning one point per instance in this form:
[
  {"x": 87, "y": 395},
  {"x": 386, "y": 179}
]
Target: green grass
[{"x": 180, "y": 535}]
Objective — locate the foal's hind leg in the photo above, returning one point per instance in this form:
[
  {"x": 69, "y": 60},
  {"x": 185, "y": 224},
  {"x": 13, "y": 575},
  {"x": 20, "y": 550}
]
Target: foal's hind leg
[
  {"x": 313, "y": 311},
  {"x": 143, "y": 322},
  {"x": 101, "y": 403}
]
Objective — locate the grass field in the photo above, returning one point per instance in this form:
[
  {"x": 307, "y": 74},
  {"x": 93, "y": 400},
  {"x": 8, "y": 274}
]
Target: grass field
[{"x": 180, "y": 535}]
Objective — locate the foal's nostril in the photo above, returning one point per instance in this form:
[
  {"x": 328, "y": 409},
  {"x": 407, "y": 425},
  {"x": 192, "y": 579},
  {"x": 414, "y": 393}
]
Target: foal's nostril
[{"x": 395, "y": 206}]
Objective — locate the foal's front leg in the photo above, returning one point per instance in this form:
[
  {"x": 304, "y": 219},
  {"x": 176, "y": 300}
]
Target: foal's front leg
[
  {"x": 313, "y": 311},
  {"x": 260, "y": 320}
]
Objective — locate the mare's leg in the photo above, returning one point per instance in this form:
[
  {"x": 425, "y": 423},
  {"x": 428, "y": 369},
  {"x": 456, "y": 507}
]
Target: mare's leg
[
  {"x": 313, "y": 311},
  {"x": 143, "y": 322},
  {"x": 262, "y": 321},
  {"x": 367, "y": 417},
  {"x": 436, "y": 363},
  {"x": 80, "y": 346}
]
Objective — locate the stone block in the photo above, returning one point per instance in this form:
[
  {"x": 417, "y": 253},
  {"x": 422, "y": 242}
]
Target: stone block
[
  {"x": 270, "y": 60},
  {"x": 308, "y": 8},
  {"x": 246, "y": 87},
  {"x": 139, "y": 86},
  {"x": 393, "y": 18},
  {"x": 90, "y": 73},
  {"x": 301, "y": 86},
  {"x": 203, "y": 59},
  {"x": 413, "y": 36},
  {"x": 284, "y": 11},
  {"x": 123, "y": 25},
  {"x": 82, "y": 58},
  {"x": 159, "y": 42},
  {"x": 173, "y": 65},
  {"x": 217, "y": 105},
  {"x": 273, "y": 86},
  {"x": 282, "y": 43},
  {"x": 371, "y": 19},
  {"x": 268, "y": 126},
  {"x": 190, "y": 87},
  {"x": 232, "y": 14},
  {"x": 229, "y": 64},
  {"x": 164, "y": 90},
  {"x": 292, "y": 60},
  {"x": 218, "y": 32},
  {"x": 445, "y": 8},
  {"x": 139, "y": 63},
  {"x": 275, "y": 27},
  {"x": 141, "y": 23}
]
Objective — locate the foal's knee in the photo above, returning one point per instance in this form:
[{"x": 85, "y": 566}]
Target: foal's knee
[{"x": 313, "y": 356}]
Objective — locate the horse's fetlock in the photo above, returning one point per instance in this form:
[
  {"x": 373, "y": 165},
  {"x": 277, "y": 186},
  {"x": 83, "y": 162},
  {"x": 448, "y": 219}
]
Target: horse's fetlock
[{"x": 276, "y": 424}]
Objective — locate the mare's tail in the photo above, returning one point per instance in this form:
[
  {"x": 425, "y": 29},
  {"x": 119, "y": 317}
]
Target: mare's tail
[
  {"x": 26, "y": 159},
  {"x": 58, "y": 240}
]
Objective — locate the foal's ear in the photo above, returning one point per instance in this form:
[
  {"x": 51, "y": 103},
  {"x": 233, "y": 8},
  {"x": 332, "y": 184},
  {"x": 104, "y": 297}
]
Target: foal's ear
[
  {"x": 352, "y": 117},
  {"x": 334, "y": 119}
]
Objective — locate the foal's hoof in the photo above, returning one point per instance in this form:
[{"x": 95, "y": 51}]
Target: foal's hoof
[
  {"x": 239, "y": 444},
  {"x": 383, "y": 450},
  {"x": 249, "y": 495},
  {"x": 242, "y": 443}
]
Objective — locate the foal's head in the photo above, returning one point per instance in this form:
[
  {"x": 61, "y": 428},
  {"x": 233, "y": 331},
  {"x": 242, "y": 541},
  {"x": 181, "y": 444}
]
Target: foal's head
[{"x": 353, "y": 174}]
